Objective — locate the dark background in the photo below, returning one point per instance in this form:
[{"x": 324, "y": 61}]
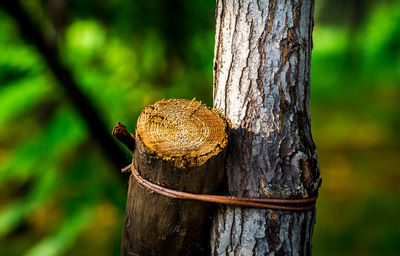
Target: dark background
[{"x": 60, "y": 194}]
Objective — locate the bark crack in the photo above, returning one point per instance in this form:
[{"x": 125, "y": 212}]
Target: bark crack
[{"x": 265, "y": 79}]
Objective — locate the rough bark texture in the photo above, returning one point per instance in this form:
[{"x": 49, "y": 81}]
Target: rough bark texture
[
  {"x": 262, "y": 84},
  {"x": 168, "y": 152}
]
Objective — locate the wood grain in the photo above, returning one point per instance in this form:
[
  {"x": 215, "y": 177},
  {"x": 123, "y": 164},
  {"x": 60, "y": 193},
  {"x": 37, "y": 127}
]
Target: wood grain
[{"x": 180, "y": 144}]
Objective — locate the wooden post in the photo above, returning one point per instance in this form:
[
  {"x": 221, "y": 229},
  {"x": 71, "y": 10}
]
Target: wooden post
[{"x": 180, "y": 144}]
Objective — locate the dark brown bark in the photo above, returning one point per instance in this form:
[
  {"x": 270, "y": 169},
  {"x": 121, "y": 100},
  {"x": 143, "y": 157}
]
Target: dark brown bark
[
  {"x": 125, "y": 137},
  {"x": 159, "y": 225}
]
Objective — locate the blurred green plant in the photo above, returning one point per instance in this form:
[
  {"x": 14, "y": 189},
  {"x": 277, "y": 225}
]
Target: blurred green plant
[{"x": 58, "y": 194}]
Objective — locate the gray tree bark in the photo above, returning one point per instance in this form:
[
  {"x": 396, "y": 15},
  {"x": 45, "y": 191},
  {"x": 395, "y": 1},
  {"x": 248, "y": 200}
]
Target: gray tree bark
[{"x": 262, "y": 84}]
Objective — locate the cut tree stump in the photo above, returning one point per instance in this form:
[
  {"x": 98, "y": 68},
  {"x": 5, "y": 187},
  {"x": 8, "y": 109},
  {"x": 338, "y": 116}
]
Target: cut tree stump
[{"x": 179, "y": 144}]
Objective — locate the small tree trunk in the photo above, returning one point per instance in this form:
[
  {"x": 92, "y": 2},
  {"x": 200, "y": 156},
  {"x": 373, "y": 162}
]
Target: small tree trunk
[
  {"x": 181, "y": 145},
  {"x": 262, "y": 84}
]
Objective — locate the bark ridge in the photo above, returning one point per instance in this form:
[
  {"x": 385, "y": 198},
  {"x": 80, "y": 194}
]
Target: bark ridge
[{"x": 262, "y": 84}]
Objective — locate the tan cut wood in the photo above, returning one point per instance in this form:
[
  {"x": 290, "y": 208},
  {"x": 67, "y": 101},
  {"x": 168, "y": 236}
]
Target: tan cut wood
[{"x": 180, "y": 144}]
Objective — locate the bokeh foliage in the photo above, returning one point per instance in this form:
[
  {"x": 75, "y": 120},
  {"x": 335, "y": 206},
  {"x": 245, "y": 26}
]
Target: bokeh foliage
[{"x": 60, "y": 196}]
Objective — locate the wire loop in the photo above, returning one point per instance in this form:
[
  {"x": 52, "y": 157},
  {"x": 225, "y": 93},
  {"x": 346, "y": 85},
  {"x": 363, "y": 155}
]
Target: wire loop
[{"x": 303, "y": 204}]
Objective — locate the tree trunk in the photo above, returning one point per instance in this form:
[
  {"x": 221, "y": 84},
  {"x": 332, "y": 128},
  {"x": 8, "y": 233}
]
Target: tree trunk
[
  {"x": 262, "y": 84},
  {"x": 180, "y": 144}
]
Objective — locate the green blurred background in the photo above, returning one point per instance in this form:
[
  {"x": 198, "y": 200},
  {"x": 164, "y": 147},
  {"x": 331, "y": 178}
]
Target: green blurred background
[{"x": 59, "y": 194}]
